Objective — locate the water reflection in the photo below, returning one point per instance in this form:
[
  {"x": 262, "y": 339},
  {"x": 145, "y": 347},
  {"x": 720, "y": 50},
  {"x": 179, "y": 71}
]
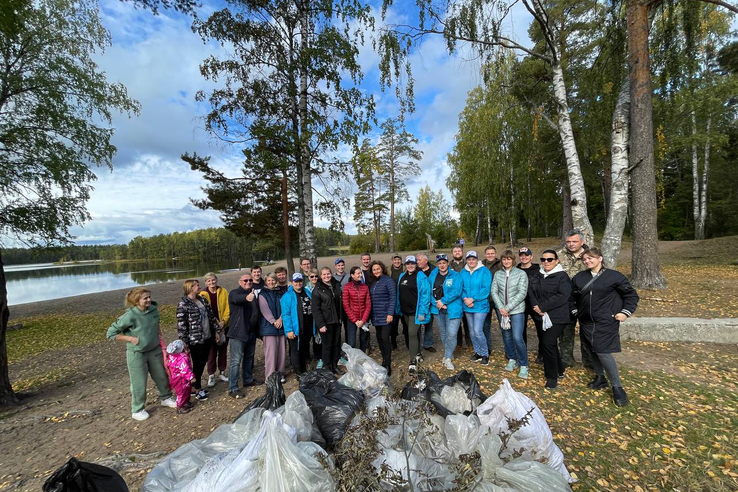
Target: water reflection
[{"x": 32, "y": 283}]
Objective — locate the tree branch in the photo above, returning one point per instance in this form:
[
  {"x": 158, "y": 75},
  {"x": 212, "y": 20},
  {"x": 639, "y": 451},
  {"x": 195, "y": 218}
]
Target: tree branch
[{"x": 732, "y": 8}]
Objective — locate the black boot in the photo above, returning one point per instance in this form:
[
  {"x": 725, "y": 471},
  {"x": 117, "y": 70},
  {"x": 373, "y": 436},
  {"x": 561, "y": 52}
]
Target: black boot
[
  {"x": 598, "y": 382},
  {"x": 619, "y": 396},
  {"x": 551, "y": 383}
]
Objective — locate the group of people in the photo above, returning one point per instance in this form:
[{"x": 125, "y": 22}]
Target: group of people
[{"x": 306, "y": 318}]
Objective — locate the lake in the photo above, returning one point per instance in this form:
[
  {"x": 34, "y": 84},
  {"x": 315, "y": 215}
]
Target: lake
[{"x": 43, "y": 281}]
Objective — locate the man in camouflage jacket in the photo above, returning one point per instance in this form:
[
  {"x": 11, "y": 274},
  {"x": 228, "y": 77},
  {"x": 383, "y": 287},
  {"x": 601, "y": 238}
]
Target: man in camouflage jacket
[{"x": 570, "y": 259}]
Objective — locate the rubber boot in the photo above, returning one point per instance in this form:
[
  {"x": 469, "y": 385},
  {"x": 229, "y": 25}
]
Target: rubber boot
[
  {"x": 598, "y": 382},
  {"x": 619, "y": 396}
]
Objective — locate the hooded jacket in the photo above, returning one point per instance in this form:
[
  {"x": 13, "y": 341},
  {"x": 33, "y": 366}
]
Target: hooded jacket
[
  {"x": 422, "y": 308},
  {"x": 326, "y": 304},
  {"x": 509, "y": 291},
  {"x": 383, "y": 293},
  {"x": 476, "y": 284},
  {"x": 292, "y": 313},
  {"x": 551, "y": 292},
  {"x": 452, "y": 289},
  {"x": 136, "y": 323},
  {"x": 597, "y": 305}
]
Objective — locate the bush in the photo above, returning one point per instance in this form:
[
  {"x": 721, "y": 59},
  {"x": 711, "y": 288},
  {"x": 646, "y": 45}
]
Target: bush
[{"x": 361, "y": 244}]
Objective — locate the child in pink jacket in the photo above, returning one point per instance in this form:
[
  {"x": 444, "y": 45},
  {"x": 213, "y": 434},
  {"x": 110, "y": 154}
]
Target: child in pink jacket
[{"x": 181, "y": 375}]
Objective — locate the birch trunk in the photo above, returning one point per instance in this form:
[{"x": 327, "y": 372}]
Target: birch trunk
[
  {"x": 392, "y": 207},
  {"x": 695, "y": 179},
  {"x": 574, "y": 170},
  {"x": 529, "y": 213},
  {"x": 703, "y": 193},
  {"x": 646, "y": 272},
  {"x": 286, "y": 226},
  {"x": 477, "y": 235},
  {"x": 305, "y": 158},
  {"x": 490, "y": 238},
  {"x": 618, "y": 207},
  {"x": 513, "y": 210},
  {"x": 566, "y": 221}
]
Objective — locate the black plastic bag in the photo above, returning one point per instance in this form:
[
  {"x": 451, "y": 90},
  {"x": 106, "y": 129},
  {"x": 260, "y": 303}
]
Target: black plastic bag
[
  {"x": 272, "y": 399},
  {"x": 429, "y": 387},
  {"x": 333, "y": 404},
  {"x": 79, "y": 476}
]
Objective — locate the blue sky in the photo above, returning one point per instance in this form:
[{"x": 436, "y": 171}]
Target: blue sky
[{"x": 157, "y": 58}]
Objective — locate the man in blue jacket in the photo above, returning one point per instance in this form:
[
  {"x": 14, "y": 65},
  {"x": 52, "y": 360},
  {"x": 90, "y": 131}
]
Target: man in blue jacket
[
  {"x": 477, "y": 282},
  {"x": 446, "y": 305}
]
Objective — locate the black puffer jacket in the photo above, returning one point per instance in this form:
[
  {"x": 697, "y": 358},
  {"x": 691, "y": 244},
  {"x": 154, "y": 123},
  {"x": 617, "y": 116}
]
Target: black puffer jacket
[
  {"x": 552, "y": 295},
  {"x": 242, "y": 312},
  {"x": 326, "y": 304},
  {"x": 597, "y": 305}
]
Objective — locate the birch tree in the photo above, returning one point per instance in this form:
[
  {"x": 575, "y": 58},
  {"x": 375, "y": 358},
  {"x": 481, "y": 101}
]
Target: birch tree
[
  {"x": 480, "y": 23},
  {"x": 399, "y": 158}
]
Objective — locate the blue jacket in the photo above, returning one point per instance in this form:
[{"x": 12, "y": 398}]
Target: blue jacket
[
  {"x": 422, "y": 309},
  {"x": 266, "y": 329},
  {"x": 291, "y": 319},
  {"x": 477, "y": 285},
  {"x": 383, "y": 293},
  {"x": 452, "y": 288}
]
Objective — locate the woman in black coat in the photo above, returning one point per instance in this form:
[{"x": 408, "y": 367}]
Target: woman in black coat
[
  {"x": 327, "y": 314},
  {"x": 604, "y": 298},
  {"x": 550, "y": 293}
]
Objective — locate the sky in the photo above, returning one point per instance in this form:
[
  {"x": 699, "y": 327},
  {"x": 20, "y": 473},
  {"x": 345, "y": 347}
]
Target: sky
[{"x": 157, "y": 58}]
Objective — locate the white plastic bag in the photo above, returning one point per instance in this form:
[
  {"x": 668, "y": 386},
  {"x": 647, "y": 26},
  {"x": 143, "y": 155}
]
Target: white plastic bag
[
  {"x": 546, "y": 322},
  {"x": 505, "y": 322},
  {"x": 363, "y": 372},
  {"x": 535, "y": 439},
  {"x": 454, "y": 398},
  {"x": 462, "y": 434},
  {"x": 297, "y": 414},
  {"x": 426, "y": 475}
]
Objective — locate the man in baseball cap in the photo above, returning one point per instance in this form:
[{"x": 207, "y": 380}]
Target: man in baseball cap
[
  {"x": 297, "y": 277},
  {"x": 410, "y": 259},
  {"x": 525, "y": 255},
  {"x": 471, "y": 254}
]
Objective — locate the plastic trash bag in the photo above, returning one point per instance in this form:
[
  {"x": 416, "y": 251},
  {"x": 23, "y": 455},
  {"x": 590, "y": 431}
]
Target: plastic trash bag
[
  {"x": 505, "y": 322},
  {"x": 430, "y": 387},
  {"x": 516, "y": 476},
  {"x": 272, "y": 399},
  {"x": 426, "y": 475},
  {"x": 454, "y": 398},
  {"x": 181, "y": 467},
  {"x": 535, "y": 439},
  {"x": 462, "y": 434},
  {"x": 79, "y": 476},
  {"x": 333, "y": 404},
  {"x": 363, "y": 372},
  {"x": 297, "y": 414}
]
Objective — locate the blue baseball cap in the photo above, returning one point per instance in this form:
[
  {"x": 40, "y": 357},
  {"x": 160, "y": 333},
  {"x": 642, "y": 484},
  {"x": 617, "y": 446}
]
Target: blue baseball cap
[
  {"x": 441, "y": 257},
  {"x": 472, "y": 254},
  {"x": 339, "y": 260},
  {"x": 410, "y": 259},
  {"x": 297, "y": 277}
]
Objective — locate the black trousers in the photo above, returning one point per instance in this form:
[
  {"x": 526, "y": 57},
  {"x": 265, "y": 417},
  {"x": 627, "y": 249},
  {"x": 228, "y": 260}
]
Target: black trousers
[
  {"x": 395, "y": 332},
  {"x": 553, "y": 365},
  {"x": 385, "y": 346},
  {"x": 299, "y": 353},
  {"x": 539, "y": 331},
  {"x": 331, "y": 346},
  {"x": 460, "y": 337},
  {"x": 199, "y": 353}
]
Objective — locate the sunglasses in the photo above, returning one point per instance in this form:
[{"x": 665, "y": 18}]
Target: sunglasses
[
  {"x": 313, "y": 276},
  {"x": 547, "y": 260},
  {"x": 247, "y": 281}
]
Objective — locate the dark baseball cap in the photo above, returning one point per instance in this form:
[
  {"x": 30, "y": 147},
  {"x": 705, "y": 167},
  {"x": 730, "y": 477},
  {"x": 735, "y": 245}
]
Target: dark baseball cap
[{"x": 525, "y": 251}]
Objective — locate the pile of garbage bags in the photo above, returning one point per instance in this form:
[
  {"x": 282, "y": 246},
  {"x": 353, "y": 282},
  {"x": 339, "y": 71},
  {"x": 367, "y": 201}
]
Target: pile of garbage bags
[{"x": 288, "y": 448}]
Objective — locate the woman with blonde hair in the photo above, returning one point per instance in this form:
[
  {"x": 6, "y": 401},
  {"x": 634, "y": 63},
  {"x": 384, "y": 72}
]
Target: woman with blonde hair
[
  {"x": 198, "y": 329},
  {"x": 217, "y": 297},
  {"x": 139, "y": 328}
]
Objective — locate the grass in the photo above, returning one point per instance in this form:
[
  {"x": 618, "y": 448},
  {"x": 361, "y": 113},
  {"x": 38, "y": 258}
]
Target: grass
[
  {"x": 62, "y": 331},
  {"x": 29, "y": 383}
]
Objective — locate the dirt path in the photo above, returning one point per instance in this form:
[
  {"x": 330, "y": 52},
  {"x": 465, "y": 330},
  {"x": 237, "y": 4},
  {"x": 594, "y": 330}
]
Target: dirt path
[{"x": 85, "y": 411}]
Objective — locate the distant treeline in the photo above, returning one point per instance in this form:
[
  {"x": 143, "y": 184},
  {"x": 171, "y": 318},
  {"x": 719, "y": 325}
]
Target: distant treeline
[{"x": 213, "y": 243}]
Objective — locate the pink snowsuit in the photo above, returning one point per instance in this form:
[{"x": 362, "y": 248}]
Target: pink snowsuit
[{"x": 180, "y": 379}]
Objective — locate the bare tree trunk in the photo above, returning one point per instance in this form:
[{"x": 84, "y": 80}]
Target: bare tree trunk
[
  {"x": 392, "y": 208},
  {"x": 578, "y": 193},
  {"x": 695, "y": 179},
  {"x": 705, "y": 172},
  {"x": 490, "y": 238},
  {"x": 477, "y": 234},
  {"x": 7, "y": 396},
  {"x": 618, "y": 209},
  {"x": 646, "y": 273},
  {"x": 307, "y": 173},
  {"x": 286, "y": 226},
  {"x": 567, "y": 223},
  {"x": 529, "y": 211},
  {"x": 513, "y": 209}
]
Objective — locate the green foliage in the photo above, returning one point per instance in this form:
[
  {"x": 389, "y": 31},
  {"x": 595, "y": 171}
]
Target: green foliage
[
  {"x": 53, "y": 96},
  {"x": 370, "y": 180},
  {"x": 361, "y": 243}
]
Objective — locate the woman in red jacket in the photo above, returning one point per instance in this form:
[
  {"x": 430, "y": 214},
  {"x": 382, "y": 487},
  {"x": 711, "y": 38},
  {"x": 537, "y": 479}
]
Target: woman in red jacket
[{"x": 358, "y": 307}]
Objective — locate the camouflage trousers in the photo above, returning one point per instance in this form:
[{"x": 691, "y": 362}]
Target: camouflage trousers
[{"x": 566, "y": 345}]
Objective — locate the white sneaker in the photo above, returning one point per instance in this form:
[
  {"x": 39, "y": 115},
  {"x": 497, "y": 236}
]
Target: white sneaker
[
  {"x": 448, "y": 364},
  {"x": 211, "y": 380},
  {"x": 169, "y": 402},
  {"x": 142, "y": 415},
  {"x": 223, "y": 377},
  {"x": 511, "y": 365}
]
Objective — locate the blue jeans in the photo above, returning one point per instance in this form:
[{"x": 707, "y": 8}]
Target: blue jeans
[
  {"x": 513, "y": 338},
  {"x": 364, "y": 336},
  {"x": 476, "y": 330},
  {"x": 242, "y": 359},
  {"x": 487, "y": 330},
  {"x": 448, "y": 328},
  {"x": 428, "y": 332}
]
